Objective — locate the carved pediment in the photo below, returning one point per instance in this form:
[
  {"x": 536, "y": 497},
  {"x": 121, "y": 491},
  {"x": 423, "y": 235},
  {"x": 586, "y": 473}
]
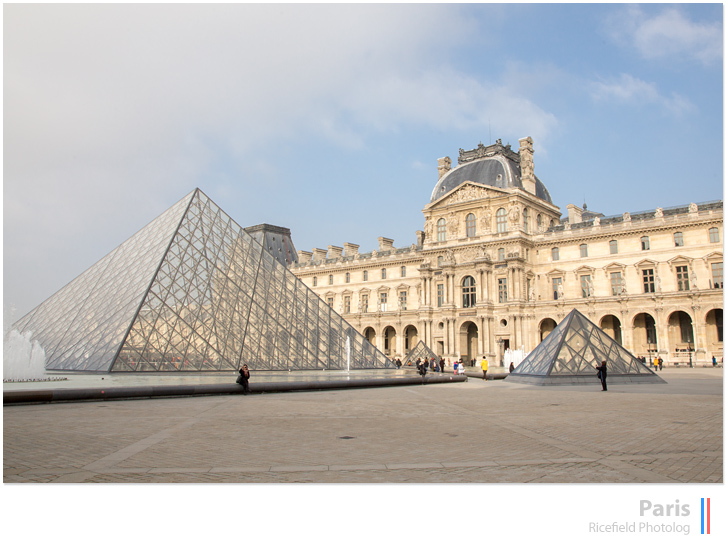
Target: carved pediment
[{"x": 468, "y": 191}]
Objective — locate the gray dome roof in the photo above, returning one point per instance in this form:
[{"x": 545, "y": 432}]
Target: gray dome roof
[{"x": 496, "y": 171}]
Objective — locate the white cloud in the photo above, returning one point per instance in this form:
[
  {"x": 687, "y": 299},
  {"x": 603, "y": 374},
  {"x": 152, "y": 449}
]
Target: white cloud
[
  {"x": 114, "y": 111},
  {"x": 667, "y": 35},
  {"x": 630, "y": 90}
]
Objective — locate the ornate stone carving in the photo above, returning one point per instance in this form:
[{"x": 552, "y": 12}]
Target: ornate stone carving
[
  {"x": 626, "y": 217},
  {"x": 452, "y": 227},
  {"x": 693, "y": 208},
  {"x": 469, "y": 255},
  {"x": 514, "y": 214},
  {"x": 486, "y": 220},
  {"x": 449, "y": 257},
  {"x": 466, "y": 193},
  {"x": 659, "y": 213},
  {"x": 596, "y": 222}
]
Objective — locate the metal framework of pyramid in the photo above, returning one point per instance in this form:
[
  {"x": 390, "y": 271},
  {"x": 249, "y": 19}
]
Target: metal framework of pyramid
[
  {"x": 192, "y": 291},
  {"x": 570, "y": 353},
  {"x": 420, "y": 351}
]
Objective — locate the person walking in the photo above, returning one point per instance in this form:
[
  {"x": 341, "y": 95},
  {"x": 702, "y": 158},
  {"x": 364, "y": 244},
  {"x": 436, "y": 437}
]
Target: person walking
[
  {"x": 511, "y": 366},
  {"x": 426, "y": 365},
  {"x": 484, "y": 367},
  {"x": 602, "y": 374},
  {"x": 442, "y": 364},
  {"x": 713, "y": 361}
]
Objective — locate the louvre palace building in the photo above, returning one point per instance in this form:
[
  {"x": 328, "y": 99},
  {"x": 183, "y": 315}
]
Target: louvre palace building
[{"x": 498, "y": 267}]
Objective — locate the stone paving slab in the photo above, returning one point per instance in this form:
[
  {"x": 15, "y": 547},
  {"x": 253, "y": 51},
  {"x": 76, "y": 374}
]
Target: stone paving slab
[{"x": 474, "y": 432}]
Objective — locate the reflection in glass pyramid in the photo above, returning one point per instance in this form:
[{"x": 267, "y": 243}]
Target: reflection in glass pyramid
[
  {"x": 193, "y": 291},
  {"x": 570, "y": 353},
  {"x": 420, "y": 351}
]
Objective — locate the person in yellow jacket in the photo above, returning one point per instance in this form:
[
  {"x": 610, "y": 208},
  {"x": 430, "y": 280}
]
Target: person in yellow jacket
[{"x": 484, "y": 367}]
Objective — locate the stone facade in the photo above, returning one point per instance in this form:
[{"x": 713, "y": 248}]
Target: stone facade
[{"x": 496, "y": 267}]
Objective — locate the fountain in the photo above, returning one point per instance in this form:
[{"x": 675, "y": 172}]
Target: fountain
[{"x": 23, "y": 359}]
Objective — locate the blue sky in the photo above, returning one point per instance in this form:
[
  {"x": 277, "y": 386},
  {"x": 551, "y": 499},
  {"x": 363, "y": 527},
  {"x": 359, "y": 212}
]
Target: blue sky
[{"x": 329, "y": 119}]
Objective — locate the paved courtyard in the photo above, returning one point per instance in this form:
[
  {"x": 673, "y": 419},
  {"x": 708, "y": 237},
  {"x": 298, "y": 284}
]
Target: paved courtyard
[{"x": 482, "y": 432}]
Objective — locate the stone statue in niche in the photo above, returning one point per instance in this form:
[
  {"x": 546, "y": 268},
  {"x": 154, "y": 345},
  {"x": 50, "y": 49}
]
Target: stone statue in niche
[
  {"x": 486, "y": 220},
  {"x": 452, "y": 226},
  {"x": 514, "y": 214}
]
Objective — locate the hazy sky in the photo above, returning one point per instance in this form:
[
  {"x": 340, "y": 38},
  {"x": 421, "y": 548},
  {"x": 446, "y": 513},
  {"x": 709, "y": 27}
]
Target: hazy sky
[{"x": 328, "y": 119}]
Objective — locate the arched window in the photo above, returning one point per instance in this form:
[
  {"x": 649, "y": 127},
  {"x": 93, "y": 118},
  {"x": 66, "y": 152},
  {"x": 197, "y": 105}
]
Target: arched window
[
  {"x": 501, "y": 221},
  {"x": 365, "y": 275},
  {"x": 539, "y": 222},
  {"x": 525, "y": 220},
  {"x": 440, "y": 260},
  {"x": 441, "y": 230},
  {"x": 500, "y": 254},
  {"x": 347, "y": 277},
  {"x": 470, "y": 225},
  {"x": 678, "y": 238},
  {"x": 383, "y": 273},
  {"x": 315, "y": 281},
  {"x": 468, "y": 292},
  {"x": 583, "y": 251},
  {"x": 613, "y": 247},
  {"x": 644, "y": 243},
  {"x": 713, "y": 234},
  {"x": 403, "y": 271},
  {"x": 555, "y": 254},
  {"x": 330, "y": 279}
]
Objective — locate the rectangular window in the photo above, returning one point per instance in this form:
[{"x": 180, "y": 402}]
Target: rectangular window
[
  {"x": 330, "y": 279},
  {"x": 717, "y": 274},
  {"x": 364, "y": 303},
  {"x": 713, "y": 234},
  {"x": 403, "y": 271},
  {"x": 644, "y": 243},
  {"x": 586, "y": 284},
  {"x": 365, "y": 275},
  {"x": 616, "y": 283},
  {"x": 347, "y": 277},
  {"x": 557, "y": 287},
  {"x": 648, "y": 281},
  {"x": 383, "y": 273},
  {"x": 583, "y": 251},
  {"x": 330, "y": 302},
  {"x": 502, "y": 291},
  {"x": 500, "y": 254},
  {"x": 613, "y": 247},
  {"x": 384, "y": 301},
  {"x": 682, "y": 277},
  {"x": 678, "y": 238},
  {"x": 402, "y": 297},
  {"x": 440, "y": 295},
  {"x": 346, "y": 304},
  {"x": 555, "y": 254}
]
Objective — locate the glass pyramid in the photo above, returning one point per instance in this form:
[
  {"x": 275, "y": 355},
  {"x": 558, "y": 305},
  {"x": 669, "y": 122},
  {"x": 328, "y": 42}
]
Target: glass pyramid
[
  {"x": 570, "y": 353},
  {"x": 420, "y": 351},
  {"x": 192, "y": 291}
]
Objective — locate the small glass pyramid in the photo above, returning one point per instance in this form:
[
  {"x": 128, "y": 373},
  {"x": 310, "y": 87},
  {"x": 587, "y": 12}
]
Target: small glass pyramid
[
  {"x": 570, "y": 353},
  {"x": 420, "y": 351},
  {"x": 192, "y": 291}
]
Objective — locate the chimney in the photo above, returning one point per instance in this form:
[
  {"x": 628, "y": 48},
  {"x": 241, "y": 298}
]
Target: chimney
[
  {"x": 575, "y": 213},
  {"x": 444, "y": 166},
  {"x": 420, "y": 238},
  {"x": 319, "y": 254},
  {"x": 305, "y": 257},
  {"x": 384, "y": 244},
  {"x": 351, "y": 249},
  {"x": 526, "y": 164},
  {"x": 335, "y": 251}
]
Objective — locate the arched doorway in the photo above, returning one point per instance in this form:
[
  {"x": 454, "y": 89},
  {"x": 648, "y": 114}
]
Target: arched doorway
[
  {"x": 611, "y": 326},
  {"x": 645, "y": 336},
  {"x": 410, "y": 338},
  {"x": 370, "y": 335},
  {"x": 469, "y": 334},
  {"x": 680, "y": 337},
  {"x": 389, "y": 341},
  {"x": 545, "y": 327},
  {"x": 714, "y": 332}
]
